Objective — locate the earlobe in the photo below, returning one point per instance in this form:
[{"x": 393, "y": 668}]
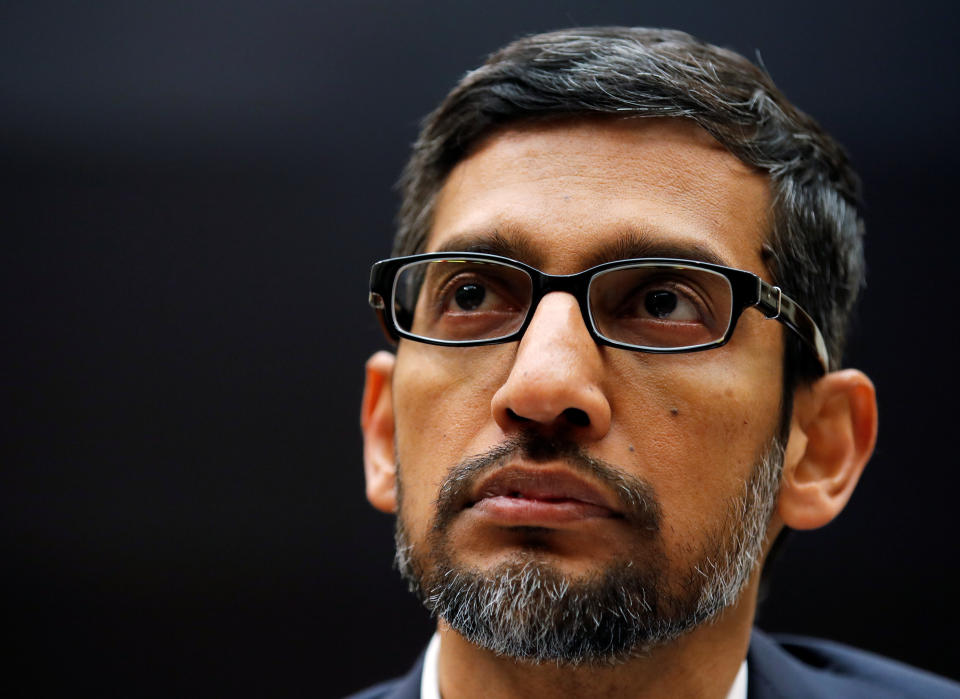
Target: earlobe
[
  {"x": 376, "y": 416},
  {"x": 832, "y": 435}
]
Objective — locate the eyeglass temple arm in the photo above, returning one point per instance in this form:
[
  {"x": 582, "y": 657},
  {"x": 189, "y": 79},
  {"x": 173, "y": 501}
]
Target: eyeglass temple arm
[
  {"x": 776, "y": 305},
  {"x": 377, "y": 304}
]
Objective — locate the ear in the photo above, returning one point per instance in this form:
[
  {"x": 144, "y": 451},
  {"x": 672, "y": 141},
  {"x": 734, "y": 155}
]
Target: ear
[
  {"x": 376, "y": 416},
  {"x": 832, "y": 435}
]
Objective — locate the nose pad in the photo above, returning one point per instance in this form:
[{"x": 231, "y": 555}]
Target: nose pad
[{"x": 555, "y": 383}]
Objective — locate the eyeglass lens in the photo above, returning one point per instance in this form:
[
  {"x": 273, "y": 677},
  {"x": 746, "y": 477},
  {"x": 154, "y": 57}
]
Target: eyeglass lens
[{"x": 642, "y": 304}]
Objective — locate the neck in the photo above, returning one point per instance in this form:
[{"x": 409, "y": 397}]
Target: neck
[{"x": 701, "y": 663}]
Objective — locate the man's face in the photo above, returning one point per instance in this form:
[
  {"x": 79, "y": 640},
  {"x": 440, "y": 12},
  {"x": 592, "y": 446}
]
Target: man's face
[{"x": 686, "y": 429}]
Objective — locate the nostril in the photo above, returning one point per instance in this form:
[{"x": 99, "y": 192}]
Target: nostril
[
  {"x": 573, "y": 416},
  {"x": 514, "y": 416},
  {"x": 577, "y": 417}
]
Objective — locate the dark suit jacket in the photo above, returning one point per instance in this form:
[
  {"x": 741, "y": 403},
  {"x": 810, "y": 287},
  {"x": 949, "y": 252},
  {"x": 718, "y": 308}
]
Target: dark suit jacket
[{"x": 787, "y": 667}]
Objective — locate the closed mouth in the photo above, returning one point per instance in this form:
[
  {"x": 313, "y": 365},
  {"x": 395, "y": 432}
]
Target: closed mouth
[{"x": 544, "y": 487}]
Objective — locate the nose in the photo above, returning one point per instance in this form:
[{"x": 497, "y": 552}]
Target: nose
[{"x": 555, "y": 383}]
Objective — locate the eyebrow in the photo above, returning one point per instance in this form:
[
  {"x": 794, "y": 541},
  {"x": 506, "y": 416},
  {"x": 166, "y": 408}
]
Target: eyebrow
[
  {"x": 506, "y": 243},
  {"x": 630, "y": 244},
  {"x": 636, "y": 244}
]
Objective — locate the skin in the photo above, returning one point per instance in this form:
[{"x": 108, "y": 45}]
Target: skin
[{"x": 691, "y": 425}]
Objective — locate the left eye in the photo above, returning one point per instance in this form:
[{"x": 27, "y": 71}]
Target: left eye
[{"x": 668, "y": 305}]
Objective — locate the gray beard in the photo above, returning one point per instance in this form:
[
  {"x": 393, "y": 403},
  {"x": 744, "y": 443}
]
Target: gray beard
[{"x": 527, "y": 609}]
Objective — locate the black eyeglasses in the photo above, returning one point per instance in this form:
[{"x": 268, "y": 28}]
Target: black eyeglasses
[{"x": 646, "y": 305}]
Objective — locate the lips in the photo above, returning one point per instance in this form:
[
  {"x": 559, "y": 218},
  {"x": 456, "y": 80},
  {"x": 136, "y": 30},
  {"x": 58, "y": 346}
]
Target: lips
[{"x": 541, "y": 496}]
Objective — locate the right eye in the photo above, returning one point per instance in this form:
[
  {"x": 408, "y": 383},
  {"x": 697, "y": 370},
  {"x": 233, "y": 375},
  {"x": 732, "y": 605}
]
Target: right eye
[
  {"x": 473, "y": 293},
  {"x": 470, "y": 296},
  {"x": 461, "y": 300}
]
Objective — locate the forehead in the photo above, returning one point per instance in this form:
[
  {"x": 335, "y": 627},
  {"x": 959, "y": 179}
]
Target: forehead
[{"x": 569, "y": 194}]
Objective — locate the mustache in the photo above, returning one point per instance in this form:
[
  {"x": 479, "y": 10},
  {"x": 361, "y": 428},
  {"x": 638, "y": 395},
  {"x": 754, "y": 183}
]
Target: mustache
[{"x": 637, "y": 498}]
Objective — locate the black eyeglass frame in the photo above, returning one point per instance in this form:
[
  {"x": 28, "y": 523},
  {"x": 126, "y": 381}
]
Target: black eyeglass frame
[{"x": 748, "y": 291}]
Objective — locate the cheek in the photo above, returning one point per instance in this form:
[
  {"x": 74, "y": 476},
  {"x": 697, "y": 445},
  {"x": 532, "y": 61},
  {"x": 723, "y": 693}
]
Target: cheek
[
  {"x": 442, "y": 406},
  {"x": 444, "y": 392},
  {"x": 697, "y": 424}
]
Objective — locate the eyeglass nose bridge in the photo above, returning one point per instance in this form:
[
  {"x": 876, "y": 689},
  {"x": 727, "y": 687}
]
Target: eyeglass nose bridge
[{"x": 577, "y": 285}]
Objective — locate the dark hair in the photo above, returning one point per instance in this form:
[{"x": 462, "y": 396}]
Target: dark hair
[{"x": 814, "y": 250}]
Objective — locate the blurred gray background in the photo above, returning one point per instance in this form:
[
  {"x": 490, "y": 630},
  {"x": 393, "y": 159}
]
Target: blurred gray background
[{"x": 193, "y": 194}]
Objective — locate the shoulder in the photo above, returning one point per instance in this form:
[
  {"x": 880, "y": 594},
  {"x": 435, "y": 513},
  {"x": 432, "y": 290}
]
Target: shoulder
[
  {"x": 406, "y": 687},
  {"x": 794, "y": 666}
]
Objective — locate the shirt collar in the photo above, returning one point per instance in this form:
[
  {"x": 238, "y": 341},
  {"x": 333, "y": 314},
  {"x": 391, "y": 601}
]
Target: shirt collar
[{"x": 430, "y": 679}]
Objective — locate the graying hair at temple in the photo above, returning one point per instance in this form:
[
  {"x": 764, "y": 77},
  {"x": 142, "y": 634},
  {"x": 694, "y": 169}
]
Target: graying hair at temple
[{"x": 814, "y": 247}]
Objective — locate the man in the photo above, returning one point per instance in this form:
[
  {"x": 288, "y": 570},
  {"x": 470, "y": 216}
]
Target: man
[{"x": 621, "y": 280}]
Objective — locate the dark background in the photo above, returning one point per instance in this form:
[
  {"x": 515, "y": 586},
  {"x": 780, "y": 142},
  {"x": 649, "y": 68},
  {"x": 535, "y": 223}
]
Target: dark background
[{"x": 193, "y": 193}]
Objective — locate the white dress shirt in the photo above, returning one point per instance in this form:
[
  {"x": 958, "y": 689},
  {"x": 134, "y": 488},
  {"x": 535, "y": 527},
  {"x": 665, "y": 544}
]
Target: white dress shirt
[{"x": 430, "y": 679}]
